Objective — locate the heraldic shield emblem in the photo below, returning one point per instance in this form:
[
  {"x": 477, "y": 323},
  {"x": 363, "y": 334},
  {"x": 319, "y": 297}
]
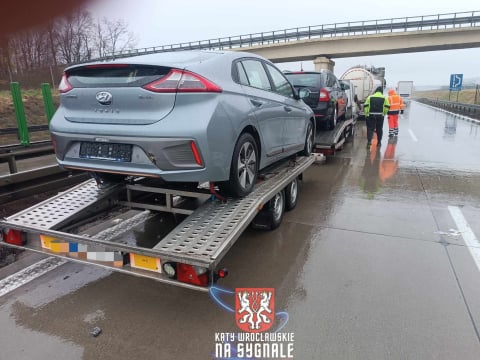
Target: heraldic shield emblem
[{"x": 254, "y": 309}]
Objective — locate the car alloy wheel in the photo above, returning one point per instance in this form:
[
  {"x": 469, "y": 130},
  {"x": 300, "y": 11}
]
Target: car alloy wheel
[
  {"x": 309, "y": 140},
  {"x": 244, "y": 168}
]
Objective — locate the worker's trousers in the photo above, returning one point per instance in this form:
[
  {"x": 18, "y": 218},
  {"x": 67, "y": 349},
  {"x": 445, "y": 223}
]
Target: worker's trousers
[
  {"x": 392, "y": 125},
  {"x": 374, "y": 124}
]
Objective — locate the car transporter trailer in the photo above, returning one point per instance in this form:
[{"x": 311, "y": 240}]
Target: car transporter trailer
[
  {"x": 328, "y": 142},
  {"x": 126, "y": 227}
]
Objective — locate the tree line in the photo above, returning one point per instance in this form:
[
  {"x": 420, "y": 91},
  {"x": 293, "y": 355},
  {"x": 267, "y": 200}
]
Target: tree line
[{"x": 71, "y": 39}]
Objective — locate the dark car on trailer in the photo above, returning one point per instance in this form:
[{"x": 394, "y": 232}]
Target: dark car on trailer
[{"x": 327, "y": 98}]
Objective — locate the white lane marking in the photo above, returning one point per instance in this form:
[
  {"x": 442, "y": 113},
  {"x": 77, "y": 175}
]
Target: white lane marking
[
  {"x": 469, "y": 237},
  {"x": 414, "y": 138},
  {"x": 28, "y": 274}
]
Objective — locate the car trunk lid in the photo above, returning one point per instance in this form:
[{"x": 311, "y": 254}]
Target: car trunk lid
[
  {"x": 310, "y": 81},
  {"x": 114, "y": 94}
]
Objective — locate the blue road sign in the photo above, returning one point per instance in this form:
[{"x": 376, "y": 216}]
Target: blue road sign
[{"x": 456, "y": 82}]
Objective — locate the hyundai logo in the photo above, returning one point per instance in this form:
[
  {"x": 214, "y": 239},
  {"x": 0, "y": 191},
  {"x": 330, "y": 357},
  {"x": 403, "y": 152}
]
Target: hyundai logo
[{"x": 104, "y": 97}]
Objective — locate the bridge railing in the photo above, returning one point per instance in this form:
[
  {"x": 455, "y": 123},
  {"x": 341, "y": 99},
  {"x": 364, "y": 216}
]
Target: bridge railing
[{"x": 369, "y": 27}]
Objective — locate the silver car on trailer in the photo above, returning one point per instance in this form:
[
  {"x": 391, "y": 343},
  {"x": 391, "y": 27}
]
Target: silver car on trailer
[{"x": 186, "y": 116}]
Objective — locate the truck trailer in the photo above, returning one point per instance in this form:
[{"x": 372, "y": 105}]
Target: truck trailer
[
  {"x": 405, "y": 90},
  {"x": 365, "y": 80}
]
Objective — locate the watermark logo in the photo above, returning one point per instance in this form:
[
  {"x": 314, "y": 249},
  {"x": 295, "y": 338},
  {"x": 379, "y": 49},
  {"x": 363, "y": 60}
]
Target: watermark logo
[
  {"x": 255, "y": 309},
  {"x": 260, "y": 335}
]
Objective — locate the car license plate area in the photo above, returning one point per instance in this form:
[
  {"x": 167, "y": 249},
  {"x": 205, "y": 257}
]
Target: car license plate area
[{"x": 106, "y": 151}]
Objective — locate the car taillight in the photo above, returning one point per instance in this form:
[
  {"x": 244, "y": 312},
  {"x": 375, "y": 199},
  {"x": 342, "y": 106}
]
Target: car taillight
[
  {"x": 182, "y": 81},
  {"x": 64, "y": 86},
  {"x": 324, "y": 95}
]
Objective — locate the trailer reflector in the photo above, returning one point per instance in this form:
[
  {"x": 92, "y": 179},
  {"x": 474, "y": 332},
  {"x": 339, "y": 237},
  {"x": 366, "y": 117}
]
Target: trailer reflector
[
  {"x": 145, "y": 262},
  {"x": 54, "y": 245}
]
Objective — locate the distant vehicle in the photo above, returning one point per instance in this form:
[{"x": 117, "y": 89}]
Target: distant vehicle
[
  {"x": 365, "y": 80},
  {"x": 353, "y": 107},
  {"x": 327, "y": 98},
  {"x": 405, "y": 90},
  {"x": 183, "y": 116}
]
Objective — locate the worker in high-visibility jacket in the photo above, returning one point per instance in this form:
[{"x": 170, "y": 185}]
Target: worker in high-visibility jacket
[
  {"x": 376, "y": 107},
  {"x": 396, "y": 106}
]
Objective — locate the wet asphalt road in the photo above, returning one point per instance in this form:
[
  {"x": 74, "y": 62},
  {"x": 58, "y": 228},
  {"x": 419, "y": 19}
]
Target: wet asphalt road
[{"x": 372, "y": 264}]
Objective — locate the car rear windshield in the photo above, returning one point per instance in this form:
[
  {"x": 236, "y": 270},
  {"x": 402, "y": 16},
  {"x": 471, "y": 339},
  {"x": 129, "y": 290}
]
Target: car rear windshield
[
  {"x": 115, "y": 75},
  {"x": 305, "y": 80}
]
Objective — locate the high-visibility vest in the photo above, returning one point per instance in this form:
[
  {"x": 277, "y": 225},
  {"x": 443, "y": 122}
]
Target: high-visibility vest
[
  {"x": 396, "y": 104},
  {"x": 376, "y": 104}
]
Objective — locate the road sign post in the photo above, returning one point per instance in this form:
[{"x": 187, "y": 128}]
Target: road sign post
[{"x": 456, "y": 81}]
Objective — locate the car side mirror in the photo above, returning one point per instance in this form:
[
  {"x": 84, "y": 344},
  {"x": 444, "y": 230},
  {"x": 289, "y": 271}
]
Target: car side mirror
[{"x": 303, "y": 93}]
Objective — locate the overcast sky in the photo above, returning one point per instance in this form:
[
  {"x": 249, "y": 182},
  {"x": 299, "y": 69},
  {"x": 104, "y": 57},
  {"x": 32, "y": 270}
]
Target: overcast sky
[{"x": 158, "y": 22}]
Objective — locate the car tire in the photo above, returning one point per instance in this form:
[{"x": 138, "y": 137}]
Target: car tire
[
  {"x": 244, "y": 167},
  {"x": 291, "y": 195},
  {"x": 275, "y": 210},
  {"x": 333, "y": 119},
  {"x": 309, "y": 140}
]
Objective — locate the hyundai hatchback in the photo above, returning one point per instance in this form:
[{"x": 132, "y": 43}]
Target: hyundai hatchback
[{"x": 186, "y": 116}]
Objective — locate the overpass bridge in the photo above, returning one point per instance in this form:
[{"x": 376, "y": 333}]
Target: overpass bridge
[{"x": 321, "y": 43}]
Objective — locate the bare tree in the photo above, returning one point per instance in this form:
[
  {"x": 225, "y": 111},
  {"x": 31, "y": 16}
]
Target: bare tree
[
  {"x": 73, "y": 35},
  {"x": 112, "y": 36},
  {"x": 5, "y": 58},
  {"x": 70, "y": 39}
]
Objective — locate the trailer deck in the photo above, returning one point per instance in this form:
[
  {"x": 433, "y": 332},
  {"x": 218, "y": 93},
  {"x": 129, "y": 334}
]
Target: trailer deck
[{"x": 328, "y": 142}]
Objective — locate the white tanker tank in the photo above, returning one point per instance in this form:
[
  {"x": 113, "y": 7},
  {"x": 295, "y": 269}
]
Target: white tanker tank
[{"x": 365, "y": 80}]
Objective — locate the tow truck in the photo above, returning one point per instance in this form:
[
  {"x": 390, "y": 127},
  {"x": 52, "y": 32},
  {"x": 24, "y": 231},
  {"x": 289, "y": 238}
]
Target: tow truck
[
  {"x": 327, "y": 142},
  {"x": 172, "y": 234}
]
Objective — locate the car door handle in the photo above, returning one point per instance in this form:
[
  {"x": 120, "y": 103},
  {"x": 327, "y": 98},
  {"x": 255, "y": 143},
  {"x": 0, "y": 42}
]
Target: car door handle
[
  {"x": 256, "y": 102},
  {"x": 287, "y": 108}
]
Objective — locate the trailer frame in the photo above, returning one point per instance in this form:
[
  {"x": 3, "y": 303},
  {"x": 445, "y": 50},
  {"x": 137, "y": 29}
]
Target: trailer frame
[{"x": 67, "y": 225}]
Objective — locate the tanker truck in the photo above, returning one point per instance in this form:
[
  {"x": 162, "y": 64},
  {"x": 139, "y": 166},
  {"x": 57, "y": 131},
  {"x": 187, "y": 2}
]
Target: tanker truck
[{"x": 365, "y": 80}]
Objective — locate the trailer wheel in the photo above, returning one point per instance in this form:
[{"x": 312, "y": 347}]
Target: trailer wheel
[
  {"x": 275, "y": 210},
  {"x": 352, "y": 132},
  {"x": 291, "y": 195}
]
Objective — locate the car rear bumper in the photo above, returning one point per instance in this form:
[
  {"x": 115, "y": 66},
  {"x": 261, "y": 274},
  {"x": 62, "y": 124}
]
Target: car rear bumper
[{"x": 172, "y": 159}]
